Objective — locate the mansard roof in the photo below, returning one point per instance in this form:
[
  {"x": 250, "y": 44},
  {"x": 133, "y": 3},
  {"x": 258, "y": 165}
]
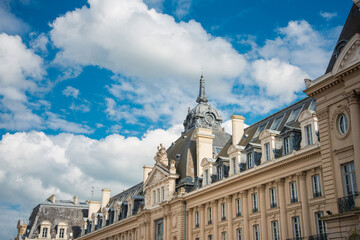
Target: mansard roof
[
  {"x": 351, "y": 27},
  {"x": 136, "y": 190}
]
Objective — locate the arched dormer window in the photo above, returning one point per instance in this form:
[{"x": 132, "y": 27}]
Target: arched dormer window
[
  {"x": 309, "y": 128},
  {"x": 45, "y": 230},
  {"x": 61, "y": 230}
]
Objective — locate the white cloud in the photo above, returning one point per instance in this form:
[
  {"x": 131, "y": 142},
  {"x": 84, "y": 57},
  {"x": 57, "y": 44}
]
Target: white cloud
[
  {"x": 70, "y": 91},
  {"x": 39, "y": 43},
  {"x": 182, "y": 8},
  {"x": 328, "y": 15},
  {"x": 9, "y": 23},
  {"x": 36, "y": 165},
  {"x": 157, "y": 4},
  {"x": 56, "y": 122}
]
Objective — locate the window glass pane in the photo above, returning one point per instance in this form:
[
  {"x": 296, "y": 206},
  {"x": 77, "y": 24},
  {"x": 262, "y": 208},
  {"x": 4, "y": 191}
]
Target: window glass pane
[
  {"x": 276, "y": 123},
  {"x": 343, "y": 124},
  {"x": 260, "y": 128},
  {"x": 294, "y": 114},
  {"x": 308, "y": 132}
]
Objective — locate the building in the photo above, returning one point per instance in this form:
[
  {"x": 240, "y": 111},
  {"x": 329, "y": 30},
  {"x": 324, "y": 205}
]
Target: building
[
  {"x": 54, "y": 219},
  {"x": 292, "y": 175}
]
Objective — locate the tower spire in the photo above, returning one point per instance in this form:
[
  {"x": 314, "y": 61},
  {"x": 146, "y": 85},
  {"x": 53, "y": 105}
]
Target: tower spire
[{"x": 202, "y": 95}]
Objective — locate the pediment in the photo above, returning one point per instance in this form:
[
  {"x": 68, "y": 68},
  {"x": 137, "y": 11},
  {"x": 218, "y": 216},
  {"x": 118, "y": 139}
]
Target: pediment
[
  {"x": 206, "y": 161},
  {"x": 156, "y": 175},
  {"x": 349, "y": 56}
]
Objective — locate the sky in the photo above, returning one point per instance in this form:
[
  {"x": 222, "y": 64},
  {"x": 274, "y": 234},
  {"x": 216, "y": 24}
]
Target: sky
[{"x": 89, "y": 89}]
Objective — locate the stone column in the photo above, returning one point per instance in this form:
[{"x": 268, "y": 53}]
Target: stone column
[
  {"x": 229, "y": 216},
  {"x": 190, "y": 225},
  {"x": 354, "y": 124},
  {"x": 165, "y": 226},
  {"x": 304, "y": 204},
  {"x": 168, "y": 227},
  {"x": 282, "y": 205},
  {"x": 215, "y": 219},
  {"x": 202, "y": 221},
  {"x": 263, "y": 211},
  {"x": 245, "y": 207},
  {"x": 152, "y": 230}
]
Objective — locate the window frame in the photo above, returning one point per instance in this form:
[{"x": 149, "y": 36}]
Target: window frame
[
  {"x": 343, "y": 126},
  {"x": 296, "y": 227},
  {"x": 275, "y": 230},
  {"x": 316, "y": 185},
  {"x": 224, "y": 235},
  {"x": 234, "y": 165},
  {"x": 273, "y": 199},
  {"x": 320, "y": 225},
  {"x": 197, "y": 219},
  {"x": 351, "y": 177},
  {"x": 293, "y": 192},
  {"x": 278, "y": 124},
  {"x": 256, "y": 232},
  {"x": 45, "y": 232},
  {"x": 209, "y": 215},
  {"x": 287, "y": 145},
  {"x": 267, "y": 151},
  {"x": 255, "y": 204},
  {"x": 239, "y": 234},
  {"x": 206, "y": 176},
  {"x": 250, "y": 160},
  {"x": 238, "y": 207},
  {"x": 223, "y": 211},
  {"x": 308, "y": 135}
]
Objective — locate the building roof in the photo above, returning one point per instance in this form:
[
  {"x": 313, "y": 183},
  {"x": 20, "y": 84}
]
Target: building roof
[
  {"x": 136, "y": 190},
  {"x": 65, "y": 203},
  {"x": 352, "y": 26}
]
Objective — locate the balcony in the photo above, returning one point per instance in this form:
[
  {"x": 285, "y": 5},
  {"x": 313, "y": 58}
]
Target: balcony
[
  {"x": 294, "y": 200},
  {"x": 254, "y": 210},
  {"x": 318, "y": 237},
  {"x": 273, "y": 205},
  {"x": 317, "y": 194},
  {"x": 346, "y": 204}
]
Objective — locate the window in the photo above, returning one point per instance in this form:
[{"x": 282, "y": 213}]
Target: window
[
  {"x": 218, "y": 150},
  {"x": 130, "y": 210},
  {"x": 316, "y": 185},
  {"x": 238, "y": 207},
  {"x": 159, "y": 229},
  {"x": 296, "y": 227},
  {"x": 294, "y": 114},
  {"x": 313, "y": 105},
  {"x": 273, "y": 203},
  {"x": 320, "y": 225},
  {"x": 267, "y": 152},
  {"x": 223, "y": 236},
  {"x": 45, "y": 232},
  {"x": 349, "y": 179},
  {"x": 162, "y": 193},
  {"x": 223, "y": 211},
  {"x": 308, "y": 133},
  {"x": 293, "y": 192},
  {"x": 287, "y": 145},
  {"x": 276, "y": 123},
  {"x": 220, "y": 172},
  {"x": 158, "y": 195},
  {"x": 130, "y": 236},
  {"x": 343, "y": 124},
  {"x": 262, "y": 127},
  {"x": 256, "y": 232},
  {"x": 61, "y": 233},
  {"x": 210, "y": 215},
  {"x": 154, "y": 197},
  {"x": 206, "y": 177},
  {"x": 239, "y": 234},
  {"x": 197, "y": 219},
  {"x": 254, "y": 202},
  {"x": 275, "y": 230},
  {"x": 234, "y": 165},
  {"x": 210, "y": 237},
  {"x": 250, "y": 160}
]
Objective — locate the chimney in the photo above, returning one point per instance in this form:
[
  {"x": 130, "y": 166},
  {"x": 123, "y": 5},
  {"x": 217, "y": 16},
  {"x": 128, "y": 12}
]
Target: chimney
[
  {"x": 204, "y": 147},
  {"x": 237, "y": 128},
  {"x": 94, "y": 207},
  {"x": 52, "y": 198},
  {"x": 147, "y": 170},
  {"x": 75, "y": 199},
  {"x": 105, "y": 197}
]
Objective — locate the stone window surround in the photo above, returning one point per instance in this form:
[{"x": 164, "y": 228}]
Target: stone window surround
[
  {"x": 45, "y": 224},
  {"x": 61, "y": 225},
  {"x": 306, "y": 118}
]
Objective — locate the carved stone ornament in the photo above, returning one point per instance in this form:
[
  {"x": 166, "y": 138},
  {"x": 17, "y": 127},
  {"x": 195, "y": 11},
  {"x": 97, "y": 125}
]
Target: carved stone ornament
[
  {"x": 174, "y": 221},
  {"x": 340, "y": 109},
  {"x": 161, "y": 155},
  {"x": 349, "y": 56},
  {"x": 353, "y": 96},
  {"x": 323, "y": 114}
]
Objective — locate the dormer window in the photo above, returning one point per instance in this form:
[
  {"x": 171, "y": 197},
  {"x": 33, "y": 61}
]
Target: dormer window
[
  {"x": 267, "y": 152},
  {"x": 206, "y": 176},
  {"x": 295, "y": 113},
  {"x": 233, "y": 161},
  {"x": 287, "y": 146},
  {"x": 250, "y": 160},
  {"x": 45, "y": 232},
  {"x": 262, "y": 127},
  {"x": 308, "y": 134},
  {"x": 220, "y": 172},
  {"x": 276, "y": 123},
  {"x": 154, "y": 196}
]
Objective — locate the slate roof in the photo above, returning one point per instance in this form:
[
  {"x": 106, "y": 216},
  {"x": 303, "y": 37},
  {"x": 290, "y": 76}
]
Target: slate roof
[
  {"x": 136, "y": 190},
  {"x": 352, "y": 26},
  {"x": 65, "y": 203}
]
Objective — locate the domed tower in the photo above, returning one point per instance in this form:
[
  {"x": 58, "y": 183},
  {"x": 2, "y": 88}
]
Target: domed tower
[{"x": 203, "y": 115}]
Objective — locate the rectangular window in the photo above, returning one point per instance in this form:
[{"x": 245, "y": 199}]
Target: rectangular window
[
  {"x": 210, "y": 215},
  {"x": 273, "y": 203},
  {"x": 275, "y": 230},
  {"x": 250, "y": 160},
  {"x": 223, "y": 211},
  {"x": 238, "y": 207},
  {"x": 294, "y": 114},
  {"x": 293, "y": 192},
  {"x": 210, "y": 237},
  {"x": 223, "y": 236},
  {"x": 234, "y": 165},
  {"x": 158, "y": 195},
  {"x": 254, "y": 202},
  {"x": 256, "y": 232},
  {"x": 287, "y": 145},
  {"x": 262, "y": 127},
  {"x": 267, "y": 152},
  {"x": 239, "y": 234},
  {"x": 197, "y": 219},
  {"x": 154, "y": 197},
  {"x": 320, "y": 225},
  {"x": 316, "y": 185},
  {"x": 220, "y": 172},
  {"x": 348, "y": 170},
  {"x": 296, "y": 227},
  {"x": 130, "y": 236},
  {"x": 45, "y": 232},
  {"x": 276, "y": 123},
  {"x": 61, "y": 233},
  {"x": 162, "y": 193},
  {"x": 206, "y": 177},
  {"x": 130, "y": 210},
  {"x": 159, "y": 229},
  {"x": 308, "y": 132}
]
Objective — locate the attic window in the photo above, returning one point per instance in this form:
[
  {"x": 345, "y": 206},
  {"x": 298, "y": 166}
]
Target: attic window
[
  {"x": 218, "y": 150},
  {"x": 276, "y": 123},
  {"x": 262, "y": 127},
  {"x": 313, "y": 105},
  {"x": 295, "y": 113}
]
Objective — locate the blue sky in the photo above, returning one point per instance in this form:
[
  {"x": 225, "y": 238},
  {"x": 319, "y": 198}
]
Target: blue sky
[{"x": 85, "y": 84}]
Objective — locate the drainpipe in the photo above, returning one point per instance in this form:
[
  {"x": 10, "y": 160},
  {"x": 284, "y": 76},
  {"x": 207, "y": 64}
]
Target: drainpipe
[{"x": 184, "y": 220}]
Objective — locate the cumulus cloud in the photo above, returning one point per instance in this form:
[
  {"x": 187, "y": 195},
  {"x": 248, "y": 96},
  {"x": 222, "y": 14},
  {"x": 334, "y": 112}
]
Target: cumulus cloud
[
  {"x": 9, "y": 23},
  {"x": 39, "y": 43},
  {"x": 36, "y": 165},
  {"x": 70, "y": 91},
  {"x": 328, "y": 15},
  {"x": 182, "y": 8}
]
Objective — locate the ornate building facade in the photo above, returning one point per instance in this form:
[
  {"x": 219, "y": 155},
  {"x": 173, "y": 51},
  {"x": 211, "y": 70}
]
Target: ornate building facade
[{"x": 292, "y": 175}]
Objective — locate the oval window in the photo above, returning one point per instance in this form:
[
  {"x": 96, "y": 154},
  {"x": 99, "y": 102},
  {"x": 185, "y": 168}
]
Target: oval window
[{"x": 343, "y": 124}]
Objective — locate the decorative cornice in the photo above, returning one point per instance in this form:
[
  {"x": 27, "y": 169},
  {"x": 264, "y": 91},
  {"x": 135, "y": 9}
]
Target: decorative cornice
[
  {"x": 324, "y": 87},
  {"x": 353, "y": 96}
]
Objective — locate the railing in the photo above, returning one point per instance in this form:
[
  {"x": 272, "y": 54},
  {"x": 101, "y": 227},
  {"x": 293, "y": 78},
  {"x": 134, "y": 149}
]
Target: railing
[
  {"x": 318, "y": 237},
  {"x": 317, "y": 194},
  {"x": 254, "y": 210},
  {"x": 294, "y": 200},
  {"x": 296, "y": 238},
  {"x": 273, "y": 205},
  {"x": 346, "y": 204}
]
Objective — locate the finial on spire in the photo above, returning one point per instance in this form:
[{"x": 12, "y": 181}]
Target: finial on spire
[{"x": 202, "y": 95}]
